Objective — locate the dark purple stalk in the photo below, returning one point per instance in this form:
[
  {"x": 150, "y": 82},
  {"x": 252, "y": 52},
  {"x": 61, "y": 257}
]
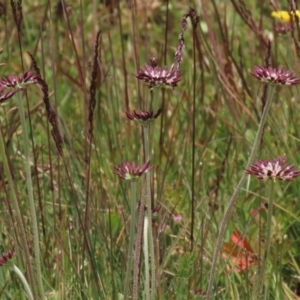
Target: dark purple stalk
[
  {"x": 162, "y": 120},
  {"x": 193, "y": 141},
  {"x": 218, "y": 59},
  {"x": 123, "y": 58},
  {"x": 89, "y": 136}
]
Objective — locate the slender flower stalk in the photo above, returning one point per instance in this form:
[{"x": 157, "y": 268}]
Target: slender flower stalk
[
  {"x": 161, "y": 77},
  {"x": 138, "y": 245},
  {"x": 145, "y": 118},
  {"x": 149, "y": 212},
  {"x": 146, "y": 255},
  {"x": 19, "y": 220},
  {"x": 31, "y": 198},
  {"x": 273, "y": 77},
  {"x": 24, "y": 281},
  {"x": 261, "y": 271},
  {"x": 229, "y": 209},
  {"x": 129, "y": 171},
  {"x": 132, "y": 236}
]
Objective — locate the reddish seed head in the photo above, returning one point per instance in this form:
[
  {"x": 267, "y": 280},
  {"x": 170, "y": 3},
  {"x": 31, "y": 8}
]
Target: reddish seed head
[
  {"x": 276, "y": 169},
  {"x": 273, "y": 76},
  {"x": 129, "y": 171}
]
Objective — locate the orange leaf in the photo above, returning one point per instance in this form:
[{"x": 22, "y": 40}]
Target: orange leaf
[{"x": 241, "y": 241}]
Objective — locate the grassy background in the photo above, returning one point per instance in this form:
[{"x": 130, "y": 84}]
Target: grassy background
[{"x": 216, "y": 62}]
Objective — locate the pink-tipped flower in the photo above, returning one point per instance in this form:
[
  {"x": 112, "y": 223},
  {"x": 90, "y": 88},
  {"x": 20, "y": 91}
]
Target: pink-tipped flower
[
  {"x": 11, "y": 84},
  {"x": 144, "y": 117},
  {"x": 177, "y": 218},
  {"x": 276, "y": 169},
  {"x": 129, "y": 171},
  {"x": 6, "y": 257},
  {"x": 273, "y": 76},
  {"x": 159, "y": 77},
  {"x": 19, "y": 82}
]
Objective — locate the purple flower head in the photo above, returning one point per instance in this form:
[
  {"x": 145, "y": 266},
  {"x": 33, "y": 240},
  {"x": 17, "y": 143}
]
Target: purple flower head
[
  {"x": 11, "y": 84},
  {"x": 276, "y": 169},
  {"x": 19, "y": 82},
  {"x": 144, "y": 117},
  {"x": 129, "y": 171},
  {"x": 273, "y": 76},
  {"x": 159, "y": 77}
]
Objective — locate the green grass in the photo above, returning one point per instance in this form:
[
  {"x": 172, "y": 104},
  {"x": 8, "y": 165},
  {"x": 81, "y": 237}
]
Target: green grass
[{"x": 199, "y": 148}]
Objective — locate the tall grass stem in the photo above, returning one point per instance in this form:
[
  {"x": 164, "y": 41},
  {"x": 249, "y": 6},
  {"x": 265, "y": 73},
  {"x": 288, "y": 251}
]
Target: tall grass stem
[
  {"x": 31, "y": 198},
  {"x": 149, "y": 212},
  {"x": 19, "y": 220},
  {"x": 261, "y": 273},
  {"x": 230, "y": 206},
  {"x": 24, "y": 281},
  {"x": 132, "y": 236},
  {"x": 138, "y": 245},
  {"x": 146, "y": 255}
]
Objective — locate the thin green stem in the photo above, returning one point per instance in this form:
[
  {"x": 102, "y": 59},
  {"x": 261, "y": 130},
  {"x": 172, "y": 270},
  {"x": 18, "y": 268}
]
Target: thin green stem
[
  {"x": 138, "y": 245},
  {"x": 149, "y": 213},
  {"x": 131, "y": 240},
  {"x": 146, "y": 142},
  {"x": 24, "y": 281},
  {"x": 261, "y": 273},
  {"x": 146, "y": 255},
  {"x": 31, "y": 198},
  {"x": 19, "y": 219},
  {"x": 229, "y": 209}
]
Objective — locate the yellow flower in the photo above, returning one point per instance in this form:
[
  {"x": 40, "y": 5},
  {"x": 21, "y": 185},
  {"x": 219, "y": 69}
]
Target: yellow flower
[{"x": 284, "y": 15}]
